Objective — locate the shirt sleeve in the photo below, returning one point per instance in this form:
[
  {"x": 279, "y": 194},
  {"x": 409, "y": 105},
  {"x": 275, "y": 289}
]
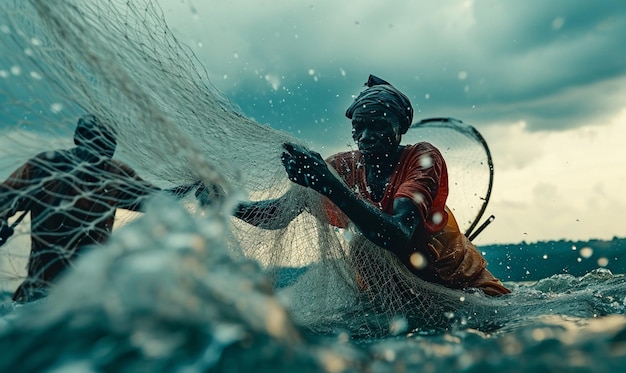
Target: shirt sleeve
[
  {"x": 131, "y": 189},
  {"x": 13, "y": 187},
  {"x": 425, "y": 182},
  {"x": 335, "y": 216}
]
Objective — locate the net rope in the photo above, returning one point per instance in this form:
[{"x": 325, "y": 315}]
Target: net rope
[{"x": 120, "y": 61}]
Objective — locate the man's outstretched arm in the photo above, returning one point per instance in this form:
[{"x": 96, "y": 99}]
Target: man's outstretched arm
[
  {"x": 182, "y": 190},
  {"x": 268, "y": 214},
  {"x": 391, "y": 232},
  {"x": 133, "y": 191},
  {"x": 134, "y": 195},
  {"x": 20, "y": 181}
]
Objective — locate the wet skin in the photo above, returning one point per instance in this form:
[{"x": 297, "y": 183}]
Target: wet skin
[{"x": 378, "y": 139}]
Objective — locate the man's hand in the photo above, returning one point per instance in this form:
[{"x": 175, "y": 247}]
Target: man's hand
[
  {"x": 307, "y": 168},
  {"x": 209, "y": 195},
  {"x": 6, "y": 231}
]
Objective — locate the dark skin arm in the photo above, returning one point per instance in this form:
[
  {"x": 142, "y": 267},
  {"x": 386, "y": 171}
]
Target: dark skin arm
[
  {"x": 10, "y": 200},
  {"x": 132, "y": 196},
  {"x": 182, "y": 190},
  {"x": 307, "y": 168},
  {"x": 391, "y": 232},
  {"x": 258, "y": 213},
  {"x": 263, "y": 213}
]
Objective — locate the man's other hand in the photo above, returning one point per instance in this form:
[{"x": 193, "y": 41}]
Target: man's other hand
[
  {"x": 209, "y": 195},
  {"x": 306, "y": 167}
]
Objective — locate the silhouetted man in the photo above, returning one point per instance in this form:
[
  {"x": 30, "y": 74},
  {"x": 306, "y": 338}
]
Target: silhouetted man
[{"x": 72, "y": 196}]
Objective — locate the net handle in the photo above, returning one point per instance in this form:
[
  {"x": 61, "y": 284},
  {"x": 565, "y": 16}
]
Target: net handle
[{"x": 483, "y": 142}]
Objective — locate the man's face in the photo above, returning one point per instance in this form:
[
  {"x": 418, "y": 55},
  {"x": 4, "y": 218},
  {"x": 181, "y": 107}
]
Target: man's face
[
  {"x": 91, "y": 134},
  {"x": 376, "y": 137}
]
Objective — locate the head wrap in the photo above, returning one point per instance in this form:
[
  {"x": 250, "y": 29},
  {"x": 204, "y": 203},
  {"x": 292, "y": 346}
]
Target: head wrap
[
  {"x": 382, "y": 99},
  {"x": 92, "y": 134}
]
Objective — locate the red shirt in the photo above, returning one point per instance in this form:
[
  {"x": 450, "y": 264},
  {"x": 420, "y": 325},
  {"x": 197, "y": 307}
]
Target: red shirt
[{"x": 421, "y": 175}]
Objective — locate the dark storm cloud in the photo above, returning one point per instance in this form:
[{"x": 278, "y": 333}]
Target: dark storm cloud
[
  {"x": 296, "y": 66},
  {"x": 555, "y": 65},
  {"x": 30, "y": 99},
  {"x": 514, "y": 27},
  {"x": 306, "y": 108}
]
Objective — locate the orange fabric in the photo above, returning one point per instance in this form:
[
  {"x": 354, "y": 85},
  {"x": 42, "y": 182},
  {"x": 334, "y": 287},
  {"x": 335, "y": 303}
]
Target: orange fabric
[
  {"x": 455, "y": 262},
  {"x": 421, "y": 175}
]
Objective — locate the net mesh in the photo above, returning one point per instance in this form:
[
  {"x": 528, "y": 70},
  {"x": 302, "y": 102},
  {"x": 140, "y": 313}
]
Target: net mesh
[{"x": 119, "y": 61}]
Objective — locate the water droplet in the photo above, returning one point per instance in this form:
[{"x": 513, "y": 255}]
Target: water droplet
[
  {"x": 56, "y": 107},
  {"x": 418, "y": 260},
  {"x": 558, "y": 23},
  {"x": 586, "y": 252},
  {"x": 437, "y": 218},
  {"x": 426, "y": 161}
]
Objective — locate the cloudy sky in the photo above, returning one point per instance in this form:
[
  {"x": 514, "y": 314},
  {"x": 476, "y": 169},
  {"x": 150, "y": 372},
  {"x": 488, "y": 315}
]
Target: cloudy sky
[{"x": 544, "y": 82}]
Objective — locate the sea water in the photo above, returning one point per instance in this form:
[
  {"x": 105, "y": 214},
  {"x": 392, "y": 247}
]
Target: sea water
[{"x": 164, "y": 295}]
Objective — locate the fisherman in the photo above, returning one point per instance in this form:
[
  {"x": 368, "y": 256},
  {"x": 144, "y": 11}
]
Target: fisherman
[
  {"x": 72, "y": 196},
  {"x": 395, "y": 195}
]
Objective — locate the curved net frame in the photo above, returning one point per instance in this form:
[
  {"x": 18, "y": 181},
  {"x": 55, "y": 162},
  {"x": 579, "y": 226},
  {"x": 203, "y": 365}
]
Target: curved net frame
[
  {"x": 119, "y": 61},
  {"x": 470, "y": 167}
]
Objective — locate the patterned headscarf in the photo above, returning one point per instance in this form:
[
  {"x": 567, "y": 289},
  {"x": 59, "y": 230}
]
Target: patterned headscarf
[{"x": 382, "y": 99}]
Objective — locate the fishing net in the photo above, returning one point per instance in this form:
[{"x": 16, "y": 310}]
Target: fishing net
[{"x": 119, "y": 61}]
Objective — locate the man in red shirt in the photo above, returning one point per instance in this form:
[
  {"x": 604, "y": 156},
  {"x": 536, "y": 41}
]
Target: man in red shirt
[
  {"x": 72, "y": 196},
  {"x": 395, "y": 195}
]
